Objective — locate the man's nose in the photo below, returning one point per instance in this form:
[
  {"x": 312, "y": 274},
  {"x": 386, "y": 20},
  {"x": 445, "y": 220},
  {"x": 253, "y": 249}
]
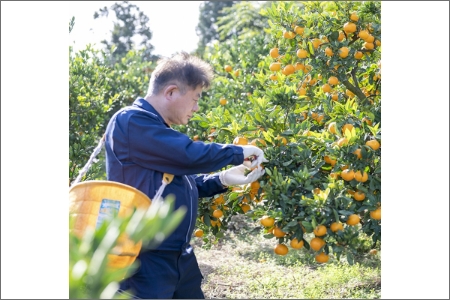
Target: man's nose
[{"x": 196, "y": 107}]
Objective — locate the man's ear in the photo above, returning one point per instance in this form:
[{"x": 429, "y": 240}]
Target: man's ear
[{"x": 169, "y": 90}]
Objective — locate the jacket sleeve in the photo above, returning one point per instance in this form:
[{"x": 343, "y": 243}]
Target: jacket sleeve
[
  {"x": 209, "y": 185},
  {"x": 155, "y": 146}
]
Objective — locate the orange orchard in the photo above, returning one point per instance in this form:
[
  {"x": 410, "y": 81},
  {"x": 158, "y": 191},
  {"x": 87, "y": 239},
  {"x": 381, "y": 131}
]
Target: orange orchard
[{"x": 311, "y": 102}]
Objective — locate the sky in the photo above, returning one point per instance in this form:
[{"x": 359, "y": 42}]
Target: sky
[{"x": 172, "y": 24}]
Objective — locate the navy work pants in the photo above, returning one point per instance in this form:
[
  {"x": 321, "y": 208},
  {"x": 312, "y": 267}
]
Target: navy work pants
[{"x": 165, "y": 274}]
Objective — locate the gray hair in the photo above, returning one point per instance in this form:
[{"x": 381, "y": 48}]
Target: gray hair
[{"x": 183, "y": 70}]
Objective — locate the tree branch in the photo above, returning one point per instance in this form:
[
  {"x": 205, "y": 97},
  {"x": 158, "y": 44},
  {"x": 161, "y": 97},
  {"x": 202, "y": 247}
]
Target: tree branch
[{"x": 356, "y": 91}]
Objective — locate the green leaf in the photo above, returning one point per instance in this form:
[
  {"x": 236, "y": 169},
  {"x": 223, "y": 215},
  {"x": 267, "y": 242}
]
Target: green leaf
[
  {"x": 336, "y": 216},
  {"x": 350, "y": 258}
]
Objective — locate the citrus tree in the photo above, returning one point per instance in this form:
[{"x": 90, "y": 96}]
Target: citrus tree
[
  {"x": 307, "y": 90},
  {"x": 96, "y": 91}
]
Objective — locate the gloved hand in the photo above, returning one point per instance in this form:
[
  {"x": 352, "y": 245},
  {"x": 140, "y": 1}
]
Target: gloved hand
[
  {"x": 254, "y": 153},
  {"x": 236, "y": 175}
]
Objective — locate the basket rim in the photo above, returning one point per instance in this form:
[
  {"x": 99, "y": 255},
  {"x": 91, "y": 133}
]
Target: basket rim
[{"x": 110, "y": 183}]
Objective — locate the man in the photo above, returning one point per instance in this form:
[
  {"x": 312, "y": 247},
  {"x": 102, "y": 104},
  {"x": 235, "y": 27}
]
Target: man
[{"x": 141, "y": 146}]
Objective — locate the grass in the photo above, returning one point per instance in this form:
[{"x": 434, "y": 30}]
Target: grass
[{"x": 243, "y": 266}]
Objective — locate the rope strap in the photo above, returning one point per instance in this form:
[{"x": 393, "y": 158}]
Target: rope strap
[{"x": 91, "y": 159}]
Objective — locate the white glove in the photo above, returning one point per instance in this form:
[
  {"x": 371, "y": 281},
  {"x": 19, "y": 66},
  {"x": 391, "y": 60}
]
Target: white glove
[
  {"x": 254, "y": 153},
  {"x": 236, "y": 175}
]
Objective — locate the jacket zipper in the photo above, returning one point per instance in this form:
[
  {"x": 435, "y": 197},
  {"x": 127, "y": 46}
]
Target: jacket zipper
[{"x": 190, "y": 220}]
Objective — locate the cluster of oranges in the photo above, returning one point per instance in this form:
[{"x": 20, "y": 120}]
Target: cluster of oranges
[
  {"x": 350, "y": 29},
  {"x": 317, "y": 243},
  {"x": 249, "y": 193}
]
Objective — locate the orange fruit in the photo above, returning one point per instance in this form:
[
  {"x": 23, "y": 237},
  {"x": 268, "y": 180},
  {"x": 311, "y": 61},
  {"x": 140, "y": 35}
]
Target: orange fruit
[
  {"x": 274, "y": 53},
  {"x": 239, "y": 140},
  {"x": 281, "y": 249},
  {"x": 328, "y": 51},
  {"x": 368, "y": 121},
  {"x": 275, "y": 66},
  {"x": 322, "y": 258},
  {"x": 305, "y": 115},
  {"x": 316, "y": 243},
  {"x": 219, "y": 200},
  {"x": 376, "y": 214},
  {"x": 223, "y": 101},
  {"x": 342, "y": 142},
  {"x": 217, "y": 213},
  {"x": 258, "y": 142},
  {"x": 301, "y": 53},
  {"x": 354, "y": 17},
  {"x": 374, "y": 144},
  {"x": 358, "y": 153},
  {"x": 369, "y": 39},
  {"x": 335, "y": 226},
  {"x": 334, "y": 175},
  {"x": 317, "y": 191},
  {"x": 358, "y": 55},
  {"x": 349, "y": 27},
  {"x": 334, "y": 97},
  {"x": 299, "y": 30},
  {"x": 320, "y": 118},
  {"x": 373, "y": 252},
  {"x": 228, "y": 68},
  {"x": 368, "y": 46},
  {"x": 288, "y": 70},
  {"x": 349, "y": 93},
  {"x": 343, "y": 52},
  {"x": 273, "y": 77},
  {"x": 320, "y": 230},
  {"x": 361, "y": 177},
  {"x": 196, "y": 138},
  {"x": 363, "y": 34},
  {"x": 254, "y": 186},
  {"x": 326, "y": 88},
  {"x": 301, "y": 91},
  {"x": 307, "y": 68},
  {"x": 267, "y": 221},
  {"x": 332, "y": 127},
  {"x": 353, "y": 220},
  {"x": 316, "y": 43},
  {"x": 348, "y": 127},
  {"x": 341, "y": 36},
  {"x": 329, "y": 160},
  {"x": 215, "y": 223},
  {"x": 348, "y": 175},
  {"x": 378, "y": 43},
  {"x": 333, "y": 80},
  {"x": 278, "y": 232},
  {"x": 359, "y": 196},
  {"x": 236, "y": 73},
  {"x": 198, "y": 233},
  {"x": 245, "y": 208},
  {"x": 282, "y": 139},
  {"x": 296, "y": 244},
  {"x": 299, "y": 66},
  {"x": 288, "y": 34}
]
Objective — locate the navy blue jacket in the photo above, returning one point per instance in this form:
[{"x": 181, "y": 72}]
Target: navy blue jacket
[{"x": 140, "y": 147}]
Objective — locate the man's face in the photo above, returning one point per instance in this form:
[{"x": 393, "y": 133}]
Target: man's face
[{"x": 183, "y": 106}]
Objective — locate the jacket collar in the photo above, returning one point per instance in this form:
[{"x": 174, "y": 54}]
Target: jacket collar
[{"x": 143, "y": 104}]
